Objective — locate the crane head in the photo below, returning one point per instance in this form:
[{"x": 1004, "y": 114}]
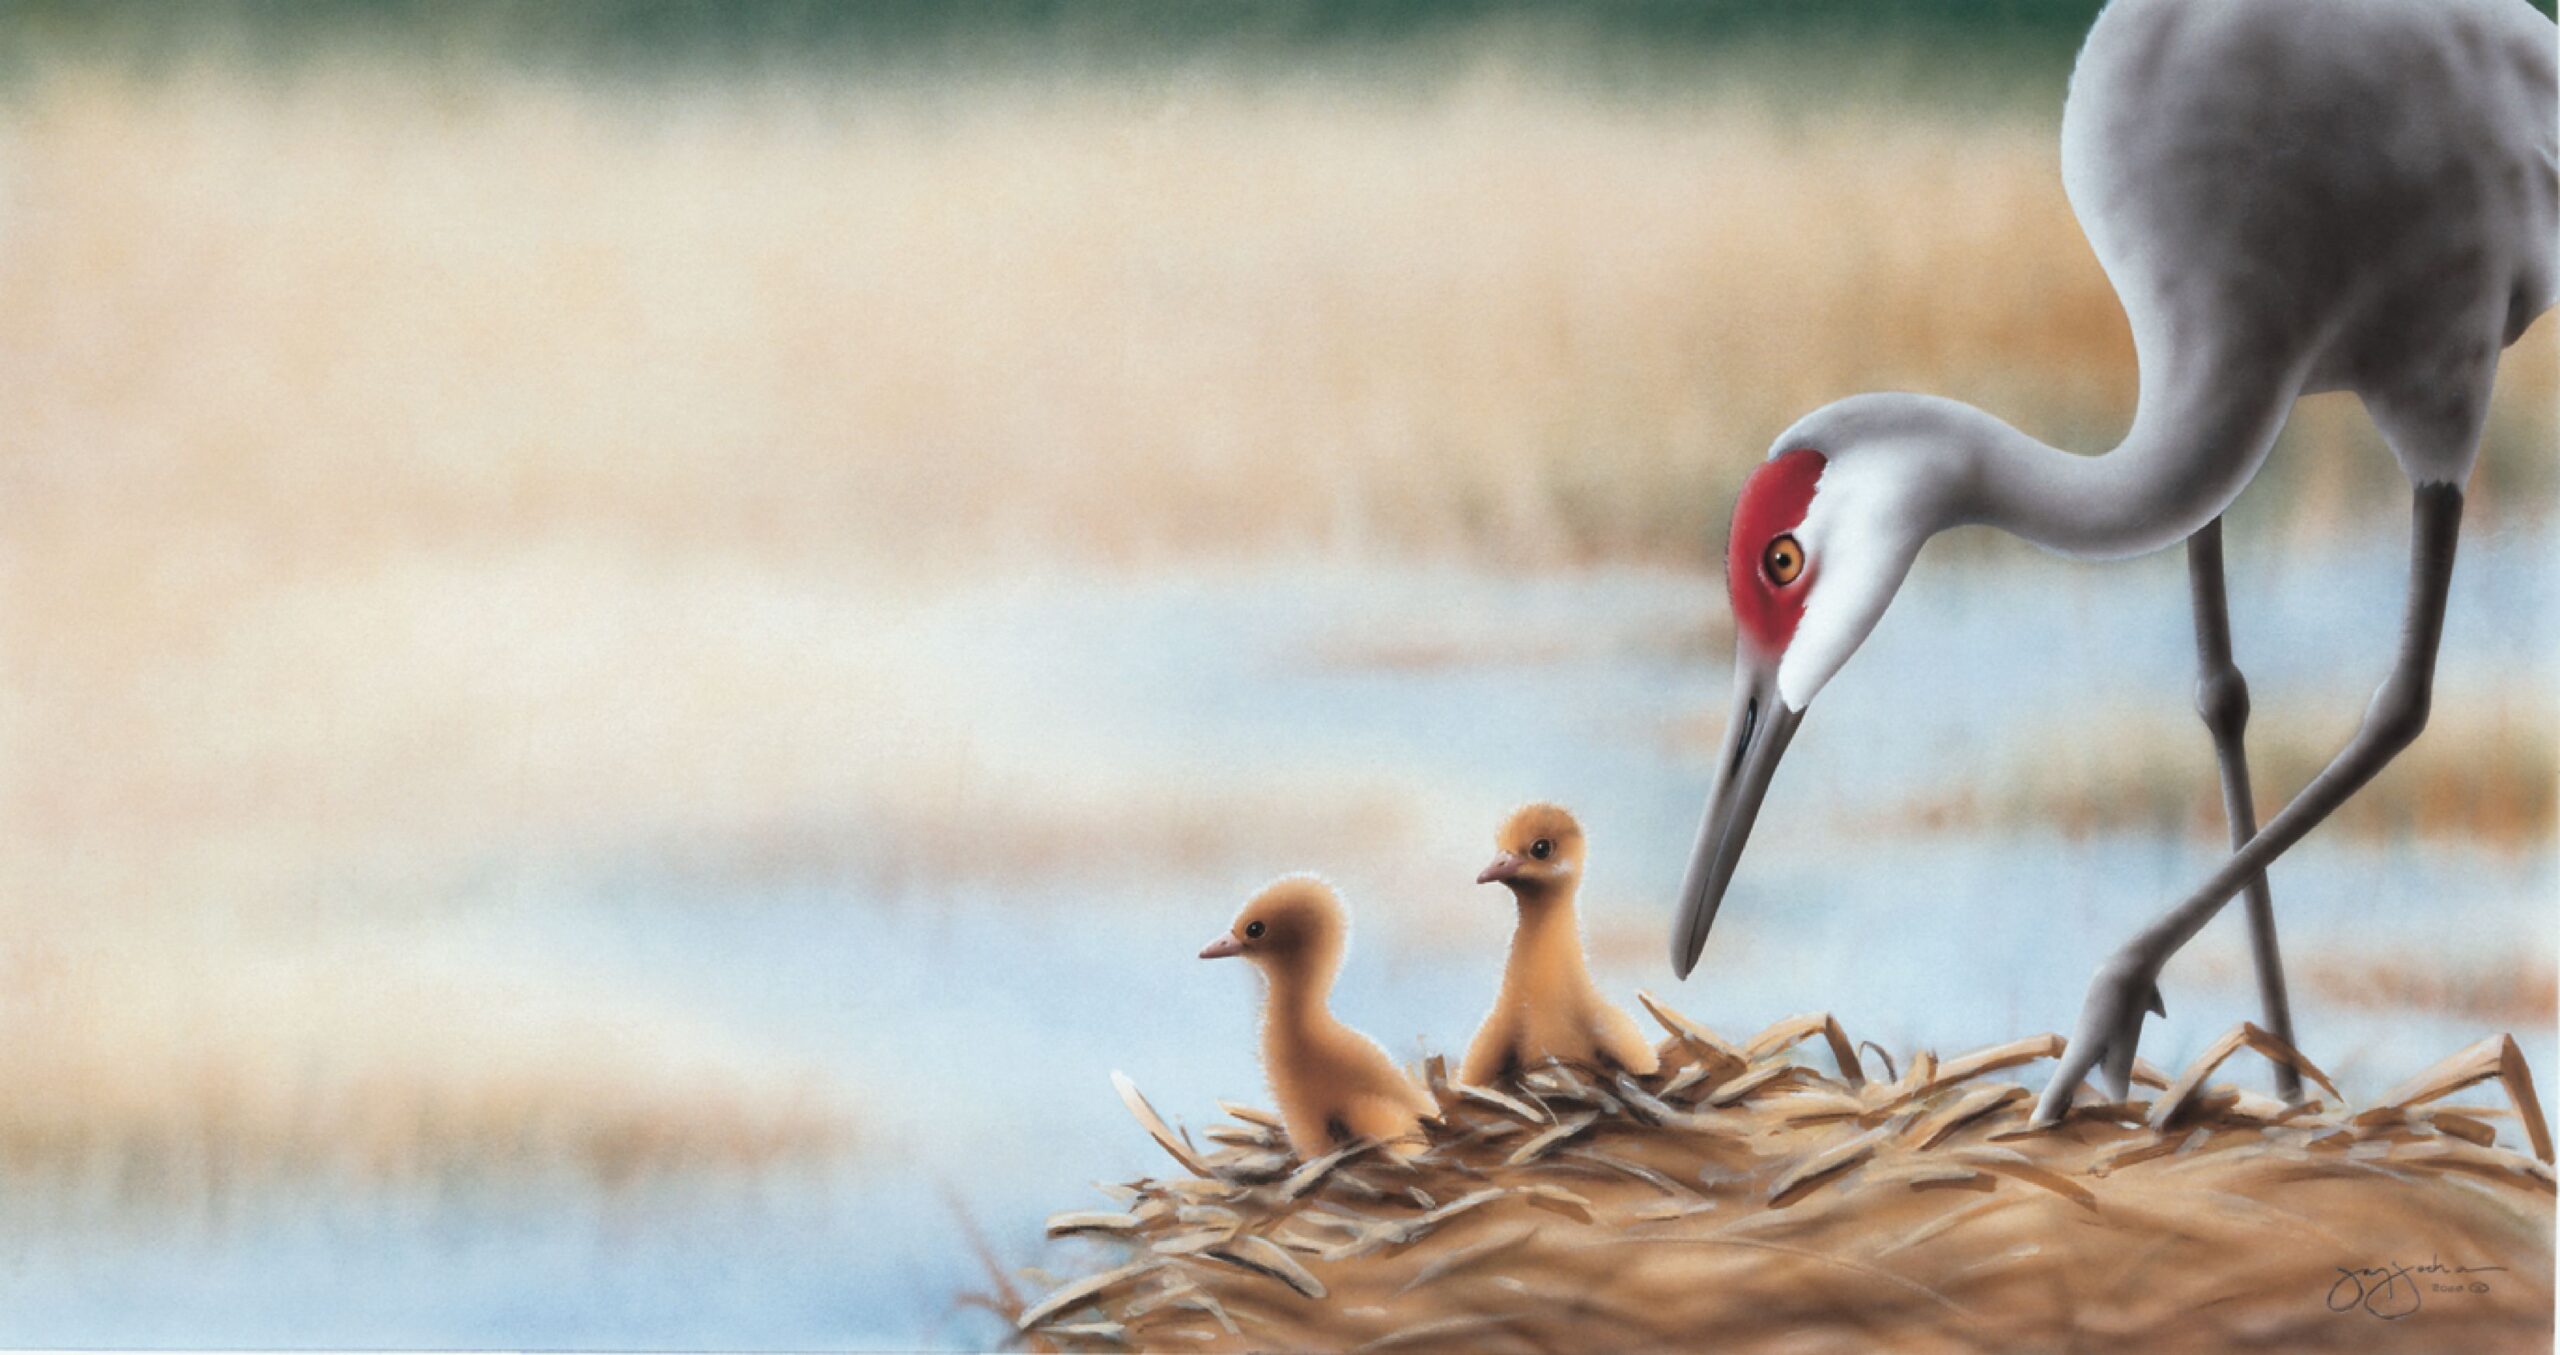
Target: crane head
[{"x": 1821, "y": 540}]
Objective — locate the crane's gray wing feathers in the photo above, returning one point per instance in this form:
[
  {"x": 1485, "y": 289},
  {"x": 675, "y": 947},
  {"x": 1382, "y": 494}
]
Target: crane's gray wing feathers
[{"x": 2324, "y": 194}]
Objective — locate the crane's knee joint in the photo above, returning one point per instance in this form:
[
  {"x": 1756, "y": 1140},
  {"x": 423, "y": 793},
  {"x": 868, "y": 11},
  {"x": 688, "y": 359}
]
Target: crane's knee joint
[
  {"x": 2398, "y": 713},
  {"x": 2222, "y": 698}
]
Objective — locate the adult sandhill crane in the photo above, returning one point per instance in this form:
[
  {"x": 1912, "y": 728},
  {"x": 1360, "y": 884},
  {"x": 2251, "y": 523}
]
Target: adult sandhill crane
[{"x": 2289, "y": 196}]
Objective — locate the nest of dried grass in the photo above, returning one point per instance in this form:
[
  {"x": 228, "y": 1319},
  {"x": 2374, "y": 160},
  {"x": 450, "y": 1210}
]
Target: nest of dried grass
[{"x": 1743, "y": 1198}]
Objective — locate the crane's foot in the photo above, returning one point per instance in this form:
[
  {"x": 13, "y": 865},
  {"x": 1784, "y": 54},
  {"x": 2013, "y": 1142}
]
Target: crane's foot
[{"x": 2124, "y": 991}]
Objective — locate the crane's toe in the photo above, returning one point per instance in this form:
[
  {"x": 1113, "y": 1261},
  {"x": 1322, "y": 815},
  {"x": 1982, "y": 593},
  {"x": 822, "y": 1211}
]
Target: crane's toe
[{"x": 2109, "y": 1034}]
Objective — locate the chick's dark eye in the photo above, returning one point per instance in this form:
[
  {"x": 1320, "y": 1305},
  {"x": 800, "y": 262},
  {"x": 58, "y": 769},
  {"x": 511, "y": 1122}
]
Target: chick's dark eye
[
  {"x": 1784, "y": 560},
  {"x": 1542, "y": 849},
  {"x": 1253, "y": 931}
]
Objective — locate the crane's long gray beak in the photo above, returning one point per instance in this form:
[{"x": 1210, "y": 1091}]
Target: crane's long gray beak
[{"x": 1753, "y": 743}]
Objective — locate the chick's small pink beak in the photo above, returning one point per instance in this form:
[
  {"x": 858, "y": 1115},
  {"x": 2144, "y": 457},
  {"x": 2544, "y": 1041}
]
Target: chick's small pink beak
[
  {"x": 1223, "y": 947},
  {"x": 1505, "y": 867}
]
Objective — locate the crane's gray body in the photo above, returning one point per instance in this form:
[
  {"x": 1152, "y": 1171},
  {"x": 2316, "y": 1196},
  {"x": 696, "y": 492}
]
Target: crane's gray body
[{"x": 2324, "y": 195}]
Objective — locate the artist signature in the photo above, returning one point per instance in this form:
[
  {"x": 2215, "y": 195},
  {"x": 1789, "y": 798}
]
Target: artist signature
[{"x": 2395, "y": 1291}]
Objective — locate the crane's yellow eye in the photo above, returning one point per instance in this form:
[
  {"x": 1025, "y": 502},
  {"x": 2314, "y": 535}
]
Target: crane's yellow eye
[{"x": 1784, "y": 560}]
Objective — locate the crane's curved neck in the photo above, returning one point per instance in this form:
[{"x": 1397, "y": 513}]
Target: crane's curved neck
[{"x": 2197, "y": 440}]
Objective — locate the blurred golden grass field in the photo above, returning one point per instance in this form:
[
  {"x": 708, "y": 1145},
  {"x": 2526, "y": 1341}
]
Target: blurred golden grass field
[{"x": 389, "y": 446}]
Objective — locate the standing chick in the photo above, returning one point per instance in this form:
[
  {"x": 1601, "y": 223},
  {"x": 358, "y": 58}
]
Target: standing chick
[
  {"x": 1548, "y": 1008},
  {"x": 1333, "y": 1083}
]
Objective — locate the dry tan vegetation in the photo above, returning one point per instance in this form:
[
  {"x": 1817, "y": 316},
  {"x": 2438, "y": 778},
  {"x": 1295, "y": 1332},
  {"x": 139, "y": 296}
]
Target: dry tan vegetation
[
  {"x": 164, "y": 1073},
  {"x": 2485, "y": 772},
  {"x": 359, "y": 307},
  {"x": 1743, "y": 1198},
  {"x": 2514, "y": 987}
]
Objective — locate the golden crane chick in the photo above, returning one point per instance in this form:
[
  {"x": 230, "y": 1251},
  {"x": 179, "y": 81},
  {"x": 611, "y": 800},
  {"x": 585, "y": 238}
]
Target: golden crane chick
[
  {"x": 1333, "y": 1083},
  {"x": 1548, "y": 1008}
]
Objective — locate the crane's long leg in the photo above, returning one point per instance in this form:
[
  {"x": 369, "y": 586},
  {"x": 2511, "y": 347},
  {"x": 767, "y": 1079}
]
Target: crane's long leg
[
  {"x": 2127, "y": 984},
  {"x": 2222, "y": 698}
]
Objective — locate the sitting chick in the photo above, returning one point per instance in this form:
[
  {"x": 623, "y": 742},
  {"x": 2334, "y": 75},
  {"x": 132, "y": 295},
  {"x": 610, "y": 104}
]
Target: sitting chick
[
  {"x": 1333, "y": 1083},
  {"x": 1548, "y": 1008}
]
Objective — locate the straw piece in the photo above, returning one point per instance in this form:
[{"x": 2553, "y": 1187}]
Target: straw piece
[
  {"x": 2053, "y": 1181},
  {"x": 1564, "y": 1082},
  {"x": 2178, "y": 1097},
  {"x": 1685, "y": 1079},
  {"x": 2495, "y": 1057},
  {"x": 1192, "y": 1243},
  {"x": 1689, "y": 1032},
  {"x": 1966, "y": 1067},
  {"x": 1254, "y": 1115},
  {"x": 1262, "y": 1256},
  {"x": 2463, "y": 1127},
  {"x": 2259, "y": 1107},
  {"x": 1748, "y": 1083},
  {"x": 1972, "y": 1106},
  {"x": 1647, "y": 1107},
  {"x": 1555, "y": 1199},
  {"x": 1155, "y": 1126},
  {"x": 1810, "y": 1175},
  {"x": 1487, "y": 1096},
  {"x": 1412, "y": 1228},
  {"x": 1175, "y": 1286},
  {"x": 2131, "y": 1152},
  {"x": 1440, "y": 1267},
  {"x": 1297, "y": 1238},
  {"x": 1624, "y": 1167},
  {"x": 1202, "y": 1301},
  {"x": 1938, "y": 1177},
  {"x": 1546, "y": 1142},
  {"x": 1311, "y": 1175},
  {"x": 1250, "y": 1168},
  {"x": 1357, "y": 1186},
  {"x": 1208, "y": 1215},
  {"x": 1886, "y": 1095},
  {"x": 1112, "y": 1332},
  {"x": 1816, "y": 1105},
  {"x": 1086, "y": 1290},
  {"x": 1091, "y": 1221},
  {"x": 1797, "y": 1028}
]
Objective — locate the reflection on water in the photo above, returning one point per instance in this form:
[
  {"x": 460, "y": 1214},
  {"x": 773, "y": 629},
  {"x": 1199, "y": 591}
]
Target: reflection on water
[{"x": 975, "y": 1019}]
